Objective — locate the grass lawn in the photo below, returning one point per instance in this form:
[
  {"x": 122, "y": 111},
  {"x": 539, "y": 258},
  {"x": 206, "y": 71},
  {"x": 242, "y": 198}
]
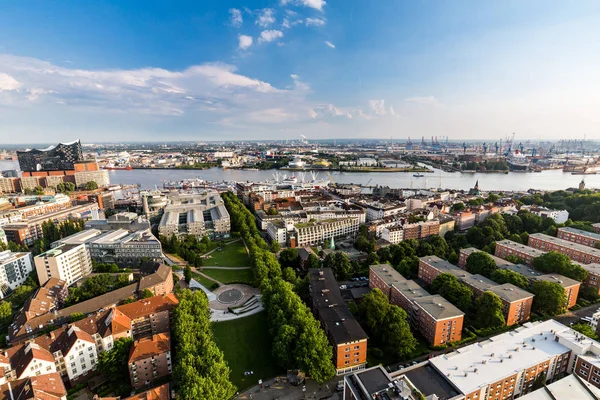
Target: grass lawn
[
  {"x": 231, "y": 275},
  {"x": 207, "y": 283},
  {"x": 246, "y": 344},
  {"x": 232, "y": 255}
]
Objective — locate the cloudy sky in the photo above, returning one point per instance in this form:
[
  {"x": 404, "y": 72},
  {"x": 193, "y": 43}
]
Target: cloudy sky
[{"x": 270, "y": 69}]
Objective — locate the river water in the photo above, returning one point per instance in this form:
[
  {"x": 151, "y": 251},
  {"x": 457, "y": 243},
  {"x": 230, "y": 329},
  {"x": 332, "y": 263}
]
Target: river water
[{"x": 514, "y": 181}]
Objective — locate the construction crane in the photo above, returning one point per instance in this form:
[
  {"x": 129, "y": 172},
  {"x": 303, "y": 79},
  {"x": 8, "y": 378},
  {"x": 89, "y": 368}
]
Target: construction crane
[
  {"x": 484, "y": 148},
  {"x": 496, "y": 145},
  {"x": 464, "y": 148},
  {"x": 331, "y": 179}
]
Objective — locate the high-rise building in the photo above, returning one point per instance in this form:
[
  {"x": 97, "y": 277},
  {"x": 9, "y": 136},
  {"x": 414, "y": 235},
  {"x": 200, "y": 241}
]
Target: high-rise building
[
  {"x": 67, "y": 262},
  {"x": 54, "y": 158}
]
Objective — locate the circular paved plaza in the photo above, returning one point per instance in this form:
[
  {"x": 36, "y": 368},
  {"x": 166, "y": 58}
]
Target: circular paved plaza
[{"x": 229, "y": 296}]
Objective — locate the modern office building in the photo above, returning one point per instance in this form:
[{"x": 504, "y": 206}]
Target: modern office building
[
  {"x": 118, "y": 246},
  {"x": 434, "y": 317},
  {"x": 67, "y": 262},
  {"x": 197, "y": 214},
  {"x": 62, "y": 156},
  {"x": 575, "y": 251},
  {"x": 347, "y": 337},
  {"x": 14, "y": 270}
]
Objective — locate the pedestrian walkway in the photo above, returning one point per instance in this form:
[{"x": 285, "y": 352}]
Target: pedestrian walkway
[{"x": 278, "y": 388}]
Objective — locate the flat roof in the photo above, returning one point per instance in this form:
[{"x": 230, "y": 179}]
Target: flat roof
[
  {"x": 591, "y": 235},
  {"x": 478, "y": 281},
  {"x": 475, "y": 366},
  {"x": 524, "y": 270},
  {"x": 411, "y": 290},
  {"x": 558, "y": 278},
  {"x": 80, "y": 237},
  {"x": 388, "y": 274},
  {"x": 440, "y": 264},
  {"x": 567, "y": 388},
  {"x": 565, "y": 243},
  {"x": 510, "y": 292},
  {"x": 438, "y": 307},
  {"x": 329, "y": 303},
  {"x": 520, "y": 247},
  {"x": 430, "y": 381}
]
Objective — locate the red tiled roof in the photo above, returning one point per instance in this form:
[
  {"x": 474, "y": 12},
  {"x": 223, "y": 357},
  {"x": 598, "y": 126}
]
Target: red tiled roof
[
  {"x": 157, "y": 393},
  {"x": 148, "y": 347},
  {"x": 148, "y": 306}
]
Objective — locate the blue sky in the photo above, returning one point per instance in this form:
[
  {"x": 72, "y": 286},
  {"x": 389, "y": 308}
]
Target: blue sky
[{"x": 222, "y": 70}]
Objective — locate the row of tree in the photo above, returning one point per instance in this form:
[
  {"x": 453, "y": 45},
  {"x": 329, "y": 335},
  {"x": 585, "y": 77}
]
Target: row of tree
[
  {"x": 581, "y": 205},
  {"x": 51, "y": 232},
  {"x": 200, "y": 368},
  {"x": 299, "y": 342}
]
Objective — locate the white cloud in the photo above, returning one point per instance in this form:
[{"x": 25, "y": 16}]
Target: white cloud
[
  {"x": 316, "y": 4},
  {"x": 299, "y": 84},
  {"x": 323, "y": 110},
  {"x": 7, "y": 82},
  {"x": 236, "y": 17},
  {"x": 265, "y": 17},
  {"x": 314, "y": 22},
  {"x": 269, "y": 36},
  {"x": 328, "y": 43},
  {"x": 244, "y": 41},
  {"x": 288, "y": 23},
  {"x": 378, "y": 107},
  {"x": 428, "y": 100}
]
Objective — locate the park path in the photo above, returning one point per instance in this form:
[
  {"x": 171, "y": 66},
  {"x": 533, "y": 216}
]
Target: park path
[
  {"x": 231, "y": 268},
  {"x": 194, "y": 269}
]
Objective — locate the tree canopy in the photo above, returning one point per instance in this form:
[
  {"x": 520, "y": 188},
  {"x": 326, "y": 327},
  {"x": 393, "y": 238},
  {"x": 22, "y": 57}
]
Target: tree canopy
[
  {"x": 113, "y": 364},
  {"x": 339, "y": 263},
  {"x": 554, "y": 261},
  {"x": 448, "y": 286},
  {"x": 481, "y": 263},
  {"x": 550, "y": 298},
  {"x": 488, "y": 308}
]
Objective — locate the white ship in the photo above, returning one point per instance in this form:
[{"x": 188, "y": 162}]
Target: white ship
[{"x": 517, "y": 161}]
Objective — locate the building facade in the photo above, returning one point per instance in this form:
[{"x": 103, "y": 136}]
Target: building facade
[
  {"x": 14, "y": 270},
  {"x": 149, "y": 360},
  {"x": 575, "y": 251},
  {"x": 67, "y": 262}
]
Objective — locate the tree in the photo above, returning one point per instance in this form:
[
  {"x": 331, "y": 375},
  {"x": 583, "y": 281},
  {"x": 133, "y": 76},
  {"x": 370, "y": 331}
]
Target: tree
[
  {"x": 586, "y": 329},
  {"x": 91, "y": 185},
  {"x": 339, "y": 263},
  {"x": 489, "y": 311},
  {"x": 275, "y": 247},
  {"x": 501, "y": 276},
  {"x": 113, "y": 364},
  {"x": 289, "y": 258},
  {"x": 451, "y": 289},
  {"x": 514, "y": 259},
  {"x": 38, "y": 190},
  {"x": 200, "y": 368},
  {"x": 6, "y": 316},
  {"x": 457, "y": 207},
  {"x": 289, "y": 275},
  {"x": 397, "y": 336},
  {"x": 481, "y": 263},
  {"x": 313, "y": 261},
  {"x": 373, "y": 308},
  {"x": 146, "y": 293},
  {"x": 492, "y": 198},
  {"x": 187, "y": 274},
  {"x": 539, "y": 382},
  {"x": 550, "y": 298},
  {"x": 76, "y": 317},
  {"x": 554, "y": 261}
]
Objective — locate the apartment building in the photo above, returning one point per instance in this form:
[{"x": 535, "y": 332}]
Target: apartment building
[
  {"x": 465, "y": 220},
  {"x": 516, "y": 302},
  {"x": 578, "y": 236},
  {"x": 27, "y": 231},
  {"x": 197, "y": 214},
  {"x": 393, "y": 234},
  {"x": 29, "y": 360},
  {"x": 46, "y": 387},
  {"x": 67, "y": 262},
  {"x": 567, "y": 388},
  {"x": 149, "y": 360},
  {"x": 347, "y": 337},
  {"x": 311, "y": 233},
  {"x": 575, "y": 251},
  {"x": 507, "y": 365},
  {"x": 14, "y": 270},
  {"x": 505, "y": 248},
  {"x": 150, "y": 316},
  {"x": 118, "y": 246},
  {"x": 277, "y": 232},
  {"x": 75, "y": 353},
  {"x": 434, "y": 317},
  {"x": 379, "y": 209}
]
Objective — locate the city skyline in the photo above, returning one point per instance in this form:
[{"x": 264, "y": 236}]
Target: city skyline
[{"x": 284, "y": 68}]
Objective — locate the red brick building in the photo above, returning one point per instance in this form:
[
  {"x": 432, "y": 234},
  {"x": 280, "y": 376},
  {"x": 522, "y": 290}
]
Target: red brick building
[
  {"x": 434, "y": 317},
  {"x": 149, "y": 360},
  {"x": 575, "y": 251},
  {"x": 578, "y": 236},
  {"x": 505, "y": 248}
]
